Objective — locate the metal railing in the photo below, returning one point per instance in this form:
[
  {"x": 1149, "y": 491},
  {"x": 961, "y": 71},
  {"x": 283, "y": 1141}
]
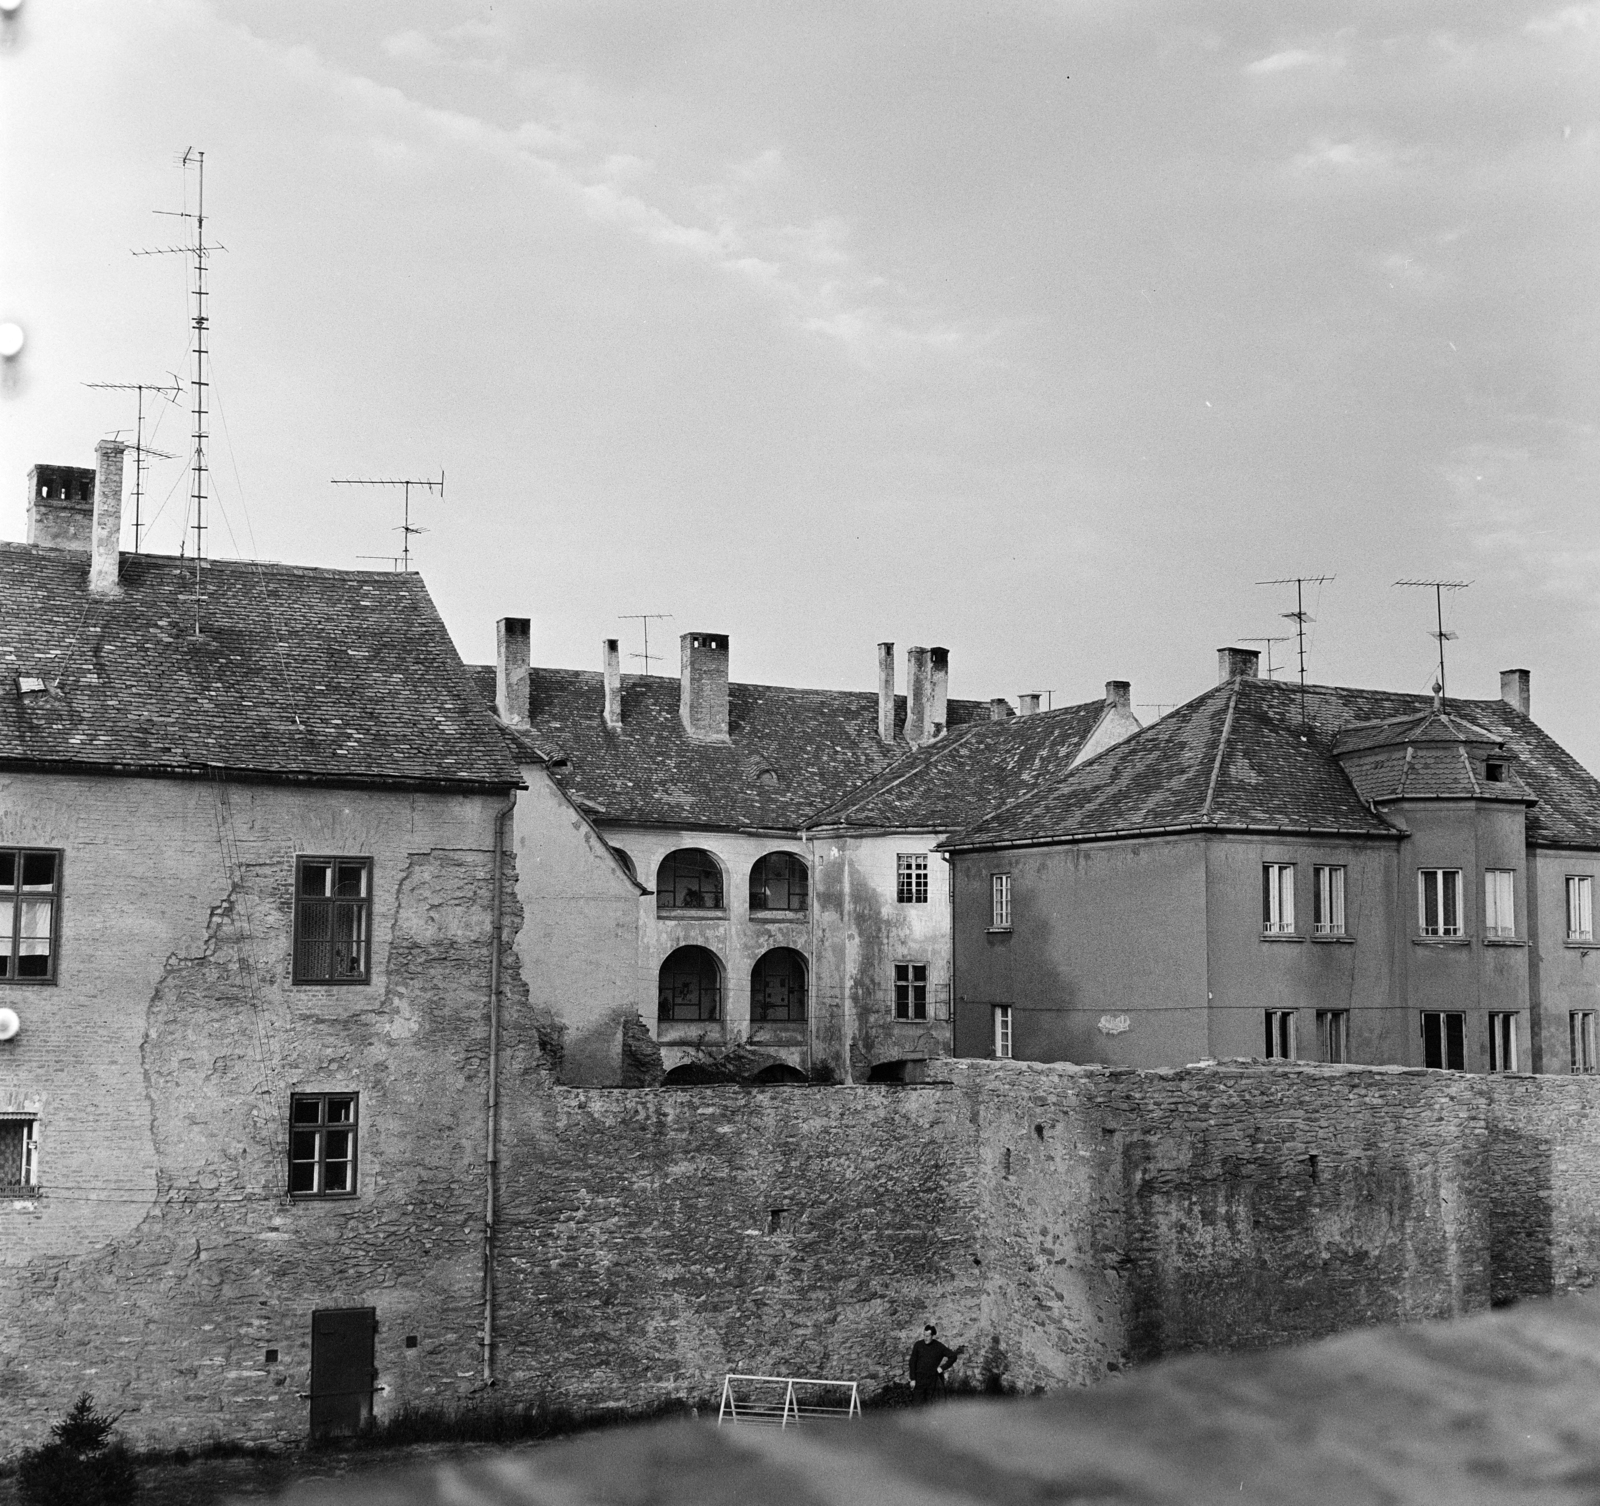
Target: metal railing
[{"x": 783, "y": 1400}]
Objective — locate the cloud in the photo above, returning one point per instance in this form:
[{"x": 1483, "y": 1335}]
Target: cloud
[
  {"x": 1570, "y": 18},
  {"x": 412, "y": 47},
  {"x": 1294, "y": 57},
  {"x": 1344, "y": 157}
]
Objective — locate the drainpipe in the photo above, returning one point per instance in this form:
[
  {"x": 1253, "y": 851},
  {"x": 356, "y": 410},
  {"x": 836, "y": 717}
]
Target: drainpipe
[{"x": 492, "y": 1151}]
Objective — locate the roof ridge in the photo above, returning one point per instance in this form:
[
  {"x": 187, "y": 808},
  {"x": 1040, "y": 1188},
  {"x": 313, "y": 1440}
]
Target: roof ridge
[{"x": 1222, "y": 747}]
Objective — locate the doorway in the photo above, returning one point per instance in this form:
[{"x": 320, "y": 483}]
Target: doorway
[{"x": 343, "y": 1370}]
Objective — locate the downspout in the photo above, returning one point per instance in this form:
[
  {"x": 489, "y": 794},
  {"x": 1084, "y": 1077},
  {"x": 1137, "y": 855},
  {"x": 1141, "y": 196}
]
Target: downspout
[{"x": 492, "y": 1139}]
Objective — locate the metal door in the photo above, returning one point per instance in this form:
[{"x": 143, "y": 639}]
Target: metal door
[{"x": 343, "y": 1371}]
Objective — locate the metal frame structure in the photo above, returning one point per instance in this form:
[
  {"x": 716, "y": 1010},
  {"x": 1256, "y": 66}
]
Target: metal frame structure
[{"x": 771, "y": 1412}]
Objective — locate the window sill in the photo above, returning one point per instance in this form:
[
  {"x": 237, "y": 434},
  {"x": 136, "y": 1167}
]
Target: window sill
[
  {"x": 324, "y": 1197},
  {"x": 1502, "y": 941},
  {"x": 778, "y": 917},
  {"x": 698, "y": 912},
  {"x": 1441, "y": 941},
  {"x": 1281, "y": 936},
  {"x": 1582, "y": 946},
  {"x": 997, "y": 931},
  {"x": 688, "y": 1032},
  {"x": 1339, "y": 940}
]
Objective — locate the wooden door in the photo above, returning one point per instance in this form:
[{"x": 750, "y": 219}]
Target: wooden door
[{"x": 343, "y": 1369}]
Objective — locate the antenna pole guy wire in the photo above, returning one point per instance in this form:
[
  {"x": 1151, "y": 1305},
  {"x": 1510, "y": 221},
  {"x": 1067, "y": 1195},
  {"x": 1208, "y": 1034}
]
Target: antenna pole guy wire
[
  {"x": 1439, "y": 587},
  {"x": 1299, "y": 618}
]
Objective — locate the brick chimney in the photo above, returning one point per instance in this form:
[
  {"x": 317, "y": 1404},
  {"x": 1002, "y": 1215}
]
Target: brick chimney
[
  {"x": 511, "y": 670},
  {"x": 1028, "y": 705},
  {"x": 1119, "y": 695},
  {"x": 703, "y": 688},
  {"x": 1000, "y": 709},
  {"x": 939, "y": 697},
  {"x": 613, "y": 662},
  {"x": 105, "y": 551},
  {"x": 886, "y": 692},
  {"x": 919, "y": 691},
  {"x": 60, "y": 506},
  {"x": 1516, "y": 689},
  {"x": 1237, "y": 664}
]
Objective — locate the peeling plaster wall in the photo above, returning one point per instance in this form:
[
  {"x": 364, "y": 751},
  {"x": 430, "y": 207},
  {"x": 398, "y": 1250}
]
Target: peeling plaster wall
[{"x": 162, "y": 1258}]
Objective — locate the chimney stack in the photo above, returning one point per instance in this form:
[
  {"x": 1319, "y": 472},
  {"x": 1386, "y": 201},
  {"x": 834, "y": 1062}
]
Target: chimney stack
[
  {"x": 105, "y": 553},
  {"x": 919, "y": 691},
  {"x": 886, "y": 692},
  {"x": 703, "y": 687},
  {"x": 939, "y": 695},
  {"x": 999, "y": 709},
  {"x": 1119, "y": 695},
  {"x": 1237, "y": 664},
  {"x": 1028, "y": 705},
  {"x": 512, "y": 635},
  {"x": 60, "y": 506},
  {"x": 1516, "y": 689},
  {"x": 613, "y": 661}
]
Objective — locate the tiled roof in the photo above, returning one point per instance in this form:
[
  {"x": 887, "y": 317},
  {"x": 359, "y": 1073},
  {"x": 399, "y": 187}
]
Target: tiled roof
[
  {"x": 965, "y": 775},
  {"x": 790, "y": 752},
  {"x": 340, "y": 676},
  {"x": 1235, "y": 757},
  {"x": 1435, "y": 755}
]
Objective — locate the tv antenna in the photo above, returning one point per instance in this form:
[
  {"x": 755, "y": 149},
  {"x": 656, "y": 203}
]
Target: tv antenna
[
  {"x": 200, "y": 383},
  {"x": 167, "y": 390},
  {"x": 1301, "y": 619},
  {"x": 1161, "y": 708},
  {"x": 1269, "y": 642},
  {"x": 1439, "y": 587},
  {"x": 646, "y": 618},
  {"x": 406, "y": 528}
]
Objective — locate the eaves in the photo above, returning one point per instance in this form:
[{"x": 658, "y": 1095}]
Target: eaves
[
  {"x": 244, "y": 774},
  {"x": 1210, "y": 828}
]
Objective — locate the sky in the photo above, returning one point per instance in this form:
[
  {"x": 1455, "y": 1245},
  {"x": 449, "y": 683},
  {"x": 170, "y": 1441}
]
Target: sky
[{"x": 1039, "y": 329}]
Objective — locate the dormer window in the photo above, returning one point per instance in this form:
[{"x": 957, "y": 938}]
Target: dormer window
[{"x": 1495, "y": 771}]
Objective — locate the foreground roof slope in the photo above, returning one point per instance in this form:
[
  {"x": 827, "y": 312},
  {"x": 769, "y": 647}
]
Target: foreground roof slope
[
  {"x": 340, "y": 676},
  {"x": 1239, "y": 757},
  {"x": 968, "y": 773}
]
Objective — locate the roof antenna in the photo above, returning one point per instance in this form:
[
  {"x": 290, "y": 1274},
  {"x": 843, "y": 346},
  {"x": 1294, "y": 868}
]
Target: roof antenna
[
  {"x": 140, "y": 450},
  {"x": 406, "y": 528},
  {"x": 1300, "y": 619},
  {"x": 646, "y": 618},
  {"x": 1269, "y": 642},
  {"x": 1439, "y": 587},
  {"x": 200, "y": 382}
]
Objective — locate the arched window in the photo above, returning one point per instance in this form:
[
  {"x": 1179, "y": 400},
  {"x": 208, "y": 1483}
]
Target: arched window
[
  {"x": 691, "y": 985},
  {"x": 778, "y": 987},
  {"x": 689, "y": 879},
  {"x": 626, "y": 859},
  {"x": 779, "y": 881},
  {"x": 780, "y": 1074},
  {"x": 695, "y": 1075}
]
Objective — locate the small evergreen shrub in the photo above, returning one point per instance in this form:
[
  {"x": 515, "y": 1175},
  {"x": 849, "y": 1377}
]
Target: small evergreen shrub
[{"x": 82, "y": 1465}]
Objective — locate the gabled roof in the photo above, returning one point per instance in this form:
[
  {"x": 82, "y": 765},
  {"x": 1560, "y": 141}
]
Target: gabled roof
[
  {"x": 790, "y": 752},
  {"x": 335, "y": 676},
  {"x": 1235, "y": 758},
  {"x": 966, "y": 774}
]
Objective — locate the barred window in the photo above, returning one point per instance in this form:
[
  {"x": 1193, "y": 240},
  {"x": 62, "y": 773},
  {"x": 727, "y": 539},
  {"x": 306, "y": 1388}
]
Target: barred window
[
  {"x": 19, "y": 1155},
  {"x": 322, "y": 1145},
  {"x": 1327, "y": 900},
  {"x": 1439, "y": 901},
  {"x": 1277, "y": 898},
  {"x": 911, "y": 878},
  {"x": 332, "y": 924},
  {"x": 30, "y": 888}
]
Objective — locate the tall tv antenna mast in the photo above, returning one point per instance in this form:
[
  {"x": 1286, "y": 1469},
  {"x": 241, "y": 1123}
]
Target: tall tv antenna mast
[
  {"x": 1269, "y": 642},
  {"x": 169, "y": 391},
  {"x": 1439, "y": 587},
  {"x": 1301, "y": 619},
  {"x": 199, "y": 383},
  {"x": 646, "y": 618},
  {"x": 406, "y": 528}
]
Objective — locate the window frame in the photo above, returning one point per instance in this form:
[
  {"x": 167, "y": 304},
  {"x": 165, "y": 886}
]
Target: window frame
[
  {"x": 18, "y": 895},
  {"x": 720, "y": 909},
  {"x": 1495, "y": 927},
  {"x": 28, "y": 1184},
  {"x": 1281, "y": 1044},
  {"x": 789, "y": 1017},
  {"x": 999, "y": 901},
  {"x": 1333, "y": 1036},
  {"x": 1328, "y": 899},
  {"x": 1580, "y": 886},
  {"x": 911, "y": 878},
  {"x": 320, "y": 1129},
  {"x": 765, "y": 889},
  {"x": 1445, "y": 1017},
  {"x": 1502, "y": 1041},
  {"x": 720, "y": 1002},
  {"x": 1277, "y": 887},
  {"x": 1443, "y": 930},
  {"x": 1581, "y": 1041},
  {"x": 298, "y": 970},
  {"x": 1003, "y": 1038},
  {"x": 911, "y": 983}
]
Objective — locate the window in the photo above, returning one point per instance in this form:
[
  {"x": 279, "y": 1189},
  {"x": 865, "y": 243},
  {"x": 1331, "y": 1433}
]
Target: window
[
  {"x": 1439, "y": 901},
  {"x": 689, "y": 879},
  {"x": 1499, "y": 916},
  {"x": 779, "y": 881},
  {"x": 1502, "y": 1043},
  {"x": 322, "y": 1145},
  {"x": 911, "y": 990},
  {"x": 1002, "y": 1032},
  {"x": 332, "y": 922},
  {"x": 1444, "y": 1040},
  {"x": 1280, "y": 1035},
  {"x": 1000, "y": 908},
  {"x": 911, "y": 878},
  {"x": 626, "y": 859},
  {"x": 1580, "y": 907},
  {"x": 1581, "y": 1029},
  {"x": 1277, "y": 898},
  {"x": 19, "y": 1155},
  {"x": 1327, "y": 900},
  {"x": 1333, "y": 1035},
  {"x": 778, "y": 987},
  {"x": 30, "y": 885},
  {"x": 1494, "y": 771},
  {"x": 690, "y": 985}
]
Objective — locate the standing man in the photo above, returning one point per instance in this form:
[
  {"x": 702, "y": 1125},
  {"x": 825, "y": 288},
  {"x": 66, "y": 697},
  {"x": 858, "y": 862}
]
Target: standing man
[{"x": 929, "y": 1361}]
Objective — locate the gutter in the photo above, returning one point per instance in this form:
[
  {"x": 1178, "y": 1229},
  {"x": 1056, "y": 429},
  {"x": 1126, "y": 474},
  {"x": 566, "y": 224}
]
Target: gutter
[
  {"x": 1217, "y": 827},
  {"x": 492, "y": 1139},
  {"x": 203, "y": 768}
]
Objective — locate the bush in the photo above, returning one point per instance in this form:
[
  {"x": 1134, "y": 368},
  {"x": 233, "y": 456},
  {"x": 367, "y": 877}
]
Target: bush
[{"x": 82, "y": 1465}]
